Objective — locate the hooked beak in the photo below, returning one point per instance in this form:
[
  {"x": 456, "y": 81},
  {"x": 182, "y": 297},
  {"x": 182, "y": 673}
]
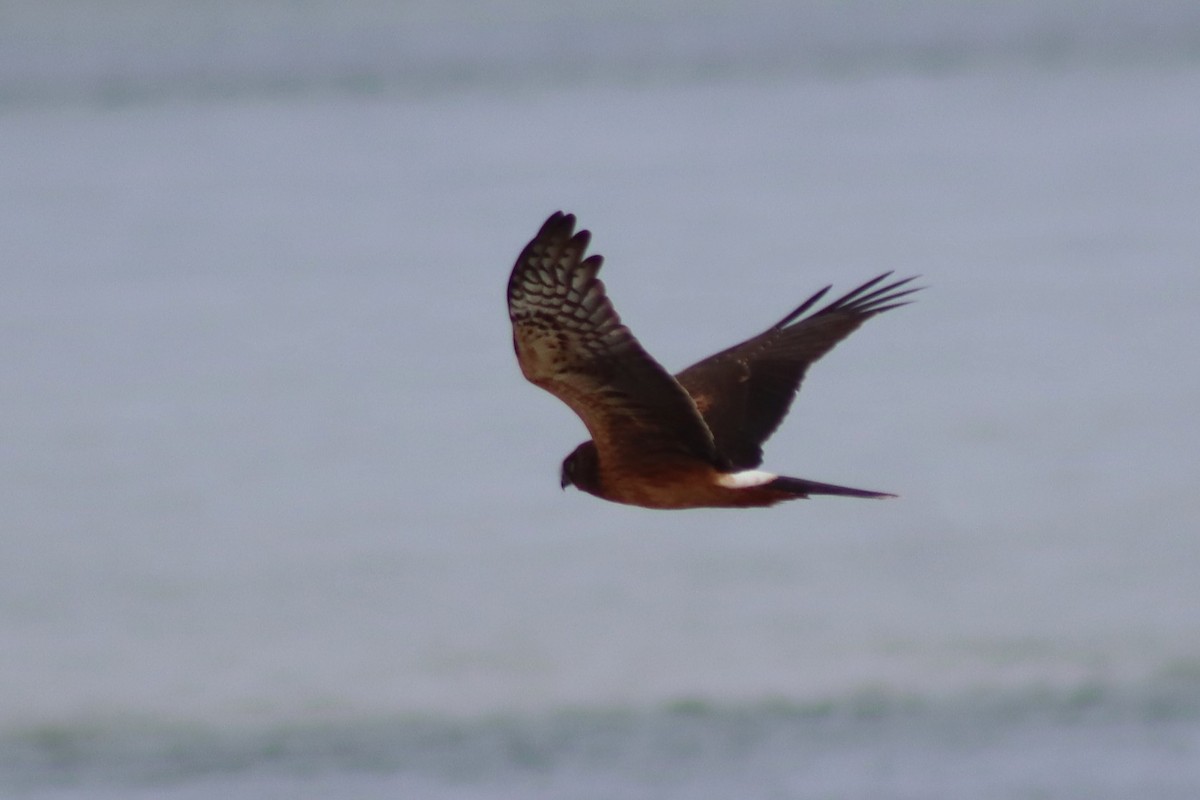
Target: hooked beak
[{"x": 564, "y": 480}]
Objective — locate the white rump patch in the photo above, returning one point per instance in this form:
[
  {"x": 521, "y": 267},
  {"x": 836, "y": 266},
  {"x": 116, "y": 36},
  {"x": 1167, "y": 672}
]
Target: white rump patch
[{"x": 746, "y": 478}]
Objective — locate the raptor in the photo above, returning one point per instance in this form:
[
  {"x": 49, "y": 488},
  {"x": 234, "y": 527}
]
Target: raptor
[{"x": 691, "y": 440}]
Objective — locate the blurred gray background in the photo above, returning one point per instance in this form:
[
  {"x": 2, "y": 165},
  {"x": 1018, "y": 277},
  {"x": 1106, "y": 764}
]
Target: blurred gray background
[{"x": 280, "y": 516}]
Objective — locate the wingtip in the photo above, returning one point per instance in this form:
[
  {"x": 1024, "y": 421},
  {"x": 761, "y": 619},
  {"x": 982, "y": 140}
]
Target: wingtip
[
  {"x": 562, "y": 224},
  {"x": 559, "y": 219}
]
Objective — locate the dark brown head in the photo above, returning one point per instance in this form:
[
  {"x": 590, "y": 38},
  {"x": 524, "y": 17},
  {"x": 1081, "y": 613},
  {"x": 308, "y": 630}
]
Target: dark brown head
[{"x": 581, "y": 469}]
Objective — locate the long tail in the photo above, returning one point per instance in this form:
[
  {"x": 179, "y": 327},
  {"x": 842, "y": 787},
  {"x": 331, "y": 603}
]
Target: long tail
[{"x": 803, "y": 488}]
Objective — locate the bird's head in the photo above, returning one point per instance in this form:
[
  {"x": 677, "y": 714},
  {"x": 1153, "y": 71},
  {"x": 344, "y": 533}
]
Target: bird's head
[{"x": 581, "y": 469}]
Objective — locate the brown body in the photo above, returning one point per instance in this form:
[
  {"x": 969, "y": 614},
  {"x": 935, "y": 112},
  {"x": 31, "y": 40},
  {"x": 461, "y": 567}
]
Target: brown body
[
  {"x": 666, "y": 483},
  {"x": 661, "y": 441},
  {"x": 692, "y": 486}
]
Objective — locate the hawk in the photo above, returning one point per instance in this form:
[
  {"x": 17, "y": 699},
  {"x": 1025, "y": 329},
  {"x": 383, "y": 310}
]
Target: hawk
[{"x": 689, "y": 441}]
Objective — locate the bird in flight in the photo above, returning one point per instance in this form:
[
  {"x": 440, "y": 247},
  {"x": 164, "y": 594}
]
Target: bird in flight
[{"x": 689, "y": 441}]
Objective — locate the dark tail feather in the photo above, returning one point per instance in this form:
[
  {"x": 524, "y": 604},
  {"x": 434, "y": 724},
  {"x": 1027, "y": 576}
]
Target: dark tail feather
[{"x": 803, "y": 488}]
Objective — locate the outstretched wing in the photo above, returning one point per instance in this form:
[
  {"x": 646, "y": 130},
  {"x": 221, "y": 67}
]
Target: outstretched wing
[
  {"x": 570, "y": 342},
  {"x": 745, "y": 392}
]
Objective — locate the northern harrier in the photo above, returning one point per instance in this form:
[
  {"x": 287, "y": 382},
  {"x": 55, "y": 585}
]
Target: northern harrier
[{"x": 658, "y": 441}]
